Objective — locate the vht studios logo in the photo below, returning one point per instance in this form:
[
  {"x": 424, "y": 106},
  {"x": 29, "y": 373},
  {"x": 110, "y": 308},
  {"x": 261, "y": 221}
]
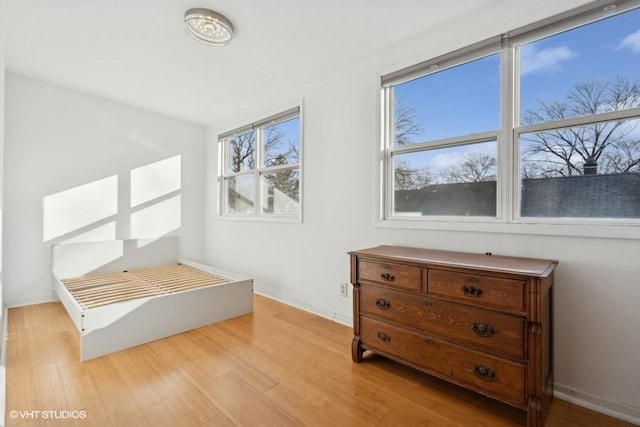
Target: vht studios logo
[{"x": 50, "y": 415}]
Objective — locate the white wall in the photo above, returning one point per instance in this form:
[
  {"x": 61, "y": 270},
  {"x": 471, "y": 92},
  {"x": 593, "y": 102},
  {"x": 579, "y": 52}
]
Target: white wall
[
  {"x": 2, "y": 319},
  {"x": 80, "y": 168},
  {"x": 597, "y": 292},
  {"x": 1, "y": 148}
]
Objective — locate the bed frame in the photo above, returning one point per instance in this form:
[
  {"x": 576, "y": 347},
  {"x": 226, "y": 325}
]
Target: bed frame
[{"x": 112, "y": 321}]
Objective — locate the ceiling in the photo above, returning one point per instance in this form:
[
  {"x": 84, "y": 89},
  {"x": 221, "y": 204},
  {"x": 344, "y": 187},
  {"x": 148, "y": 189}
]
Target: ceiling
[{"x": 137, "y": 51}]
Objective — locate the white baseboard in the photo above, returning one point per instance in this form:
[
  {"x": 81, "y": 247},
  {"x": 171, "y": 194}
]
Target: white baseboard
[
  {"x": 35, "y": 302},
  {"x": 596, "y": 403},
  {"x": 335, "y": 317}
]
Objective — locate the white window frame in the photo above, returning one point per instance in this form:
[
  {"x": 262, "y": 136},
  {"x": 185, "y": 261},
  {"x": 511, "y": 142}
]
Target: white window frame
[
  {"x": 508, "y": 219},
  {"x": 260, "y": 169},
  {"x": 441, "y": 64}
]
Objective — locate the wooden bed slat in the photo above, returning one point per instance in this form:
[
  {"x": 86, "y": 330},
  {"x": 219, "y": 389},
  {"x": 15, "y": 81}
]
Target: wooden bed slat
[{"x": 99, "y": 289}]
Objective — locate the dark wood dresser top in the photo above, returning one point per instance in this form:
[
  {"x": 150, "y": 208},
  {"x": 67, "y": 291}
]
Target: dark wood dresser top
[{"x": 496, "y": 263}]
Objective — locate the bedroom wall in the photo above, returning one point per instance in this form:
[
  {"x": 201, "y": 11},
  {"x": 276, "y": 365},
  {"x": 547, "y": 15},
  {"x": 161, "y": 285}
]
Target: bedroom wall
[
  {"x": 1, "y": 149},
  {"x": 3, "y": 384},
  {"x": 597, "y": 292},
  {"x": 81, "y": 168}
]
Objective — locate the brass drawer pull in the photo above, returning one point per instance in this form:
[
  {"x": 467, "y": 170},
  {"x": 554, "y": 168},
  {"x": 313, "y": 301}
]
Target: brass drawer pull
[
  {"x": 383, "y": 304},
  {"x": 384, "y": 337},
  {"x": 470, "y": 291},
  {"x": 483, "y": 329},
  {"x": 428, "y": 341},
  {"x": 483, "y": 372},
  {"x": 388, "y": 277}
]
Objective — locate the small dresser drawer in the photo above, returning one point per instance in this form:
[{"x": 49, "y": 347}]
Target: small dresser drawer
[
  {"x": 493, "y": 375},
  {"x": 401, "y": 276},
  {"x": 479, "y": 289},
  {"x": 499, "y": 333}
]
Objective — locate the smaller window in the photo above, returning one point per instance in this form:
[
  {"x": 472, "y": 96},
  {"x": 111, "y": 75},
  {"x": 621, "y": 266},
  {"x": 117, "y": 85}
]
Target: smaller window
[{"x": 261, "y": 168}]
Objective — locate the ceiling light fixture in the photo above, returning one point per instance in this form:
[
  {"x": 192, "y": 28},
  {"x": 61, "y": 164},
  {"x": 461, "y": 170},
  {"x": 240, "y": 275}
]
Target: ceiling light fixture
[{"x": 208, "y": 27}]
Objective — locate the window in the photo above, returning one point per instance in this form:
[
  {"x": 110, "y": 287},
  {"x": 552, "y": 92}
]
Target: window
[
  {"x": 579, "y": 127},
  {"x": 438, "y": 161},
  {"x": 538, "y": 125},
  {"x": 261, "y": 168}
]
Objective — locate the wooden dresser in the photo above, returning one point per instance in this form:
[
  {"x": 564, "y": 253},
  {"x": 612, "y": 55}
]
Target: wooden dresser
[{"x": 478, "y": 320}]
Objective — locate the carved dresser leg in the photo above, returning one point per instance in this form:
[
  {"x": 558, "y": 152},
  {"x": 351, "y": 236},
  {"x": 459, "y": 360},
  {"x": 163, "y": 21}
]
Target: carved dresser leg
[{"x": 356, "y": 350}]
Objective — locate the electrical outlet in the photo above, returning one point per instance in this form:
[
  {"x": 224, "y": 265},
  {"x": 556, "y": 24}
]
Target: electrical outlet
[{"x": 343, "y": 289}]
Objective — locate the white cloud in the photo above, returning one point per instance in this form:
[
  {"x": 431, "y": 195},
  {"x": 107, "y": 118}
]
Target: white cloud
[
  {"x": 547, "y": 60},
  {"x": 443, "y": 161},
  {"x": 632, "y": 41},
  {"x": 450, "y": 158}
]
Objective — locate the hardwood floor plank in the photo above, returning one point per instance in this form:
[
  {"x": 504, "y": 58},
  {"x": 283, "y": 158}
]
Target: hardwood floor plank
[
  {"x": 278, "y": 366},
  {"x": 293, "y": 403}
]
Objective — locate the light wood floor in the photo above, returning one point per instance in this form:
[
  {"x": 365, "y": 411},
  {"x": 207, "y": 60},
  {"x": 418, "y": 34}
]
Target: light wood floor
[{"x": 276, "y": 367}]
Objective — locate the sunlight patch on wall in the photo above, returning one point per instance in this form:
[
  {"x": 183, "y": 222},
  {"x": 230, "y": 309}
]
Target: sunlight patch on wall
[
  {"x": 96, "y": 234},
  {"x": 157, "y": 219},
  {"x": 155, "y": 180},
  {"x": 78, "y": 207}
]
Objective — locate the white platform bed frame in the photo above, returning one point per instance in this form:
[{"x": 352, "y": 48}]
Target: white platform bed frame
[{"x": 112, "y": 327}]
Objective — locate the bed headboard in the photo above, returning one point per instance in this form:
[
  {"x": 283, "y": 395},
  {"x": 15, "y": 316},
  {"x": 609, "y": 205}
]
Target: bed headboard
[{"x": 76, "y": 259}]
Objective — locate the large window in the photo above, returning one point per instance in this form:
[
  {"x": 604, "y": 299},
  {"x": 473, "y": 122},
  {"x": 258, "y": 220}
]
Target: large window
[
  {"x": 261, "y": 168},
  {"x": 538, "y": 125}
]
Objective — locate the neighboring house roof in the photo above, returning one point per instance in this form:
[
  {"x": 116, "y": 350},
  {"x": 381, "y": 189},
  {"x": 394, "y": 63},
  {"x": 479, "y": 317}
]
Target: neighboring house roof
[{"x": 580, "y": 196}]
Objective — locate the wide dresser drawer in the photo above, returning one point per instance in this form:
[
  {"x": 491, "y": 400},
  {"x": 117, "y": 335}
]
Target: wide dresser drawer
[
  {"x": 400, "y": 276},
  {"x": 493, "y": 375},
  {"x": 478, "y": 289},
  {"x": 497, "y": 332}
]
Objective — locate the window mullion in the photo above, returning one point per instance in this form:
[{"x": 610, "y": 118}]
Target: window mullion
[
  {"x": 257, "y": 187},
  {"x": 448, "y": 142},
  {"x": 513, "y": 138},
  {"x": 280, "y": 167},
  {"x": 581, "y": 121},
  {"x": 505, "y": 153},
  {"x": 387, "y": 166}
]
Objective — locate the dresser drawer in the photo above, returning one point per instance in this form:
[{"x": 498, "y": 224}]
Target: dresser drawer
[
  {"x": 497, "y": 332},
  {"x": 400, "y": 276},
  {"x": 492, "y": 375},
  {"x": 487, "y": 290}
]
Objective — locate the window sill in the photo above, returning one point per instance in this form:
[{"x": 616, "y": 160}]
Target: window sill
[
  {"x": 575, "y": 229},
  {"x": 261, "y": 218}
]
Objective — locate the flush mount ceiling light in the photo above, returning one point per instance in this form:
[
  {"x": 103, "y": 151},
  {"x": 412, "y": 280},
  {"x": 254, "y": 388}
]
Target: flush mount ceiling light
[{"x": 208, "y": 27}]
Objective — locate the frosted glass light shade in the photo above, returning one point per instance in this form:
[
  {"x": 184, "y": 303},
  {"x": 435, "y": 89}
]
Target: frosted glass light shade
[{"x": 208, "y": 27}]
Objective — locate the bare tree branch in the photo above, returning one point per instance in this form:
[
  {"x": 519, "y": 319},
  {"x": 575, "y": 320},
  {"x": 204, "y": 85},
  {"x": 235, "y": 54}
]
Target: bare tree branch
[
  {"x": 563, "y": 152},
  {"x": 405, "y": 124}
]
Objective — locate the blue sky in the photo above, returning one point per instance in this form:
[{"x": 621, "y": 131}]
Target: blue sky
[
  {"x": 465, "y": 99},
  {"x": 602, "y": 50},
  {"x": 290, "y": 130}
]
